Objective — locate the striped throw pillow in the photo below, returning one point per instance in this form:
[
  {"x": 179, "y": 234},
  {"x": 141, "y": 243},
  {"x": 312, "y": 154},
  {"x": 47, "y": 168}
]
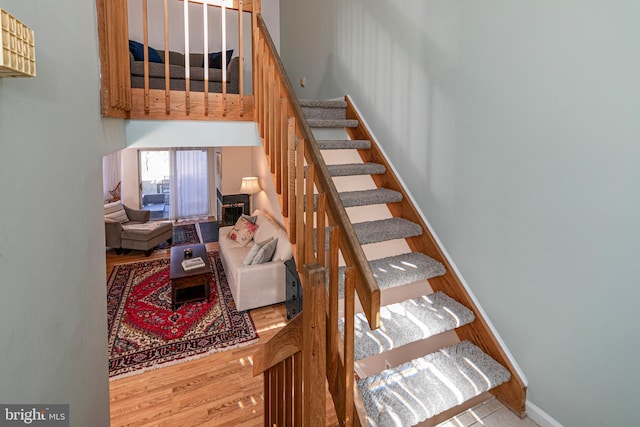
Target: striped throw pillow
[{"x": 115, "y": 212}]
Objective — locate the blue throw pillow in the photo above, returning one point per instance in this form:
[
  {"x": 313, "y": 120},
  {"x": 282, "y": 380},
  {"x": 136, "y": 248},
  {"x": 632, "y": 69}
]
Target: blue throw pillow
[
  {"x": 137, "y": 50},
  {"x": 215, "y": 59}
]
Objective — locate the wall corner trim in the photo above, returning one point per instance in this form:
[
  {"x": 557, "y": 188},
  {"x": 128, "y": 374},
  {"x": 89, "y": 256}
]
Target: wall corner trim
[{"x": 539, "y": 416}]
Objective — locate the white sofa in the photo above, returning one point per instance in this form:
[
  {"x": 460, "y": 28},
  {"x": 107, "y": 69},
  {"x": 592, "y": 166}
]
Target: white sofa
[{"x": 256, "y": 285}]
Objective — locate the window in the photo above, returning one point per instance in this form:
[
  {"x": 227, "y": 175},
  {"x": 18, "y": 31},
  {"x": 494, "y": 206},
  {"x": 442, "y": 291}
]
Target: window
[{"x": 174, "y": 183}]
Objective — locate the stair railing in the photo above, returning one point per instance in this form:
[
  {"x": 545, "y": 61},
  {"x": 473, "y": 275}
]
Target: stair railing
[
  {"x": 119, "y": 99},
  {"x": 309, "y": 202}
]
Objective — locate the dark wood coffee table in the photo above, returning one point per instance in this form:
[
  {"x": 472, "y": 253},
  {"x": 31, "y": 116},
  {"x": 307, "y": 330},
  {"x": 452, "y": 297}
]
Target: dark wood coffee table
[{"x": 192, "y": 285}]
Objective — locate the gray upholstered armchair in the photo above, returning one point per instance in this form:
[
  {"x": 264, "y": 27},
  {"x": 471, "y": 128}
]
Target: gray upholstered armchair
[{"x": 127, "y": 228}]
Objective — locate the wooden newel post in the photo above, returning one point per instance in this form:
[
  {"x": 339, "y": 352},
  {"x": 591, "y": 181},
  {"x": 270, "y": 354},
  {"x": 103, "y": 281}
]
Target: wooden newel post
[{"x": 314, "y": 345}]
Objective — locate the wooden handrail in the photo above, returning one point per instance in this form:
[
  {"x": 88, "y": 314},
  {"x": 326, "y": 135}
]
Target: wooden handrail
[
  {"x": 367, "y": 288},
  {"x": 312, "y": 205},
  {"x": 286, "y": 343}
]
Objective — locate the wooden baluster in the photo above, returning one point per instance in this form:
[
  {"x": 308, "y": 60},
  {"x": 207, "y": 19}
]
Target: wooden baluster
[
  {"x": 288, "y": 392},
  {"x": 111, "y": 13},
  {"x": 281, "y": 169},
  {"x": 275, "y": 397},
  {"x": 281, "y": 393},
  {"x": 265, "y": 101},
  {"x": 333, "y": 271},
  {"x": 275, "y": 125},
  {"x": 297, "y": 392},
  {"x": 240, "y": 58},
  {"x": 310, "y": 255},
  {"x": 123, "y": 93},
  {"x": 258, "y": 93},
  {"x": 299, "y": 216},
  {"x": 267, "y": 398},
  {"x": 321, "y": 213},
  {"x": 255, "y": 32},
  {"x": 223, "y": 25},
  {"x": 351, "y": 276},
  {"x": 314, "y": 346},
  {"x": 205, "y": 61},
  {"x": 288, "y": 166},
  {"x": 187, "y": 59},
  {"x": 145, "y": 32},
  {"x": 167, "y": 95},
  {"x": 268, "y": 111}
]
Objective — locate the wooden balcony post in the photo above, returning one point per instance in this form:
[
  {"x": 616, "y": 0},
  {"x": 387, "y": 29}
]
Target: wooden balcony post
[{"x": 314, "y": 346}]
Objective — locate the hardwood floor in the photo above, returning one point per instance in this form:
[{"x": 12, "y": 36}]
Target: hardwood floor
[{"x": 215, "y": 390}]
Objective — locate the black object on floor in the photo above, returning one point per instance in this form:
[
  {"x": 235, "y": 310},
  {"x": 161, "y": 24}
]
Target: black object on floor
[
  {"x": 209, "y": 231},
  {"x": 293, "y": 290}
]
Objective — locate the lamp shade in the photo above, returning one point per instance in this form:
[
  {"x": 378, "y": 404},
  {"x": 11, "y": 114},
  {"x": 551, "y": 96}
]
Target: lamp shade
[{"x": 250, "y": 185}]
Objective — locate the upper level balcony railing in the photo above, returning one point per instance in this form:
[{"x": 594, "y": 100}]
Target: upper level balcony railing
[{"x": 167, "y": 59}]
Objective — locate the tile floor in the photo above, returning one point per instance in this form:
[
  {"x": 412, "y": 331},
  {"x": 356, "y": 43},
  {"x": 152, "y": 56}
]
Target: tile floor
[{"x": 491, "y": 413}]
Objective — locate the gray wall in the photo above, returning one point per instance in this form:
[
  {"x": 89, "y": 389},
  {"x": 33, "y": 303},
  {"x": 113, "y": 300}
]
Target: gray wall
[
  {"x": 52, "y": 264},
  {"x": 515, "y": 126}
]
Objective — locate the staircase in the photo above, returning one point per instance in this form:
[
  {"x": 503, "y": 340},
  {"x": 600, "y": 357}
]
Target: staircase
[{"x": 414, "y": 367}]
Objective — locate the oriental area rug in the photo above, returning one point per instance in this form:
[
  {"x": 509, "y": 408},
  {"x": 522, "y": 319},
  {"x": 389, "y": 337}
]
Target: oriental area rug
[
  {"x": 185, "y": 234},
  {"x": 145, "y": 333}
]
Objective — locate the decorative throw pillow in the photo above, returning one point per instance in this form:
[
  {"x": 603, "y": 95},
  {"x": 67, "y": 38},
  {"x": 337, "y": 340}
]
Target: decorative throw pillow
[
  {"x": 137, "y": 50},
  {"x": 215, "y": 59},
  {"x": 115, "y": 212},
  {"x": 265, "y": 253},
  {"x": 254, "y": 251},
  {"x": 283, "y": 252},
  {"x": 251, "y": 219},
  {"x": 243, "y": 231}
]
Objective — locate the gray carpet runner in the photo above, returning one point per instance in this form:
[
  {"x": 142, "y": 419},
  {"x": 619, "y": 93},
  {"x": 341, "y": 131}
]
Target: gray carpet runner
[
  {"x": 426, "y": 386},
  {"x": 332, "y": 123},
  {"x": 399, "y": 270},
  {"x": 344, "y": 144},
  {"x": 385, "y": 229},
  {"x": 408, "y": 321}
]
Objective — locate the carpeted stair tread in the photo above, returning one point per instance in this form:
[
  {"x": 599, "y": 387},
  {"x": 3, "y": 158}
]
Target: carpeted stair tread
[
  {"x": 385, "y": 229},
  {"x": 399, "y": 270},
  {"x": 346, "y": 144},
  {"x": 349, "y": 169},
  {"x": 408, "y": 321},
  {"x": 377, "y": 196},
  {"x": 329, "y": 111},
  {"x": 429, "y": 385},
  {"x": 332, "y": 123},
  {"x": 314, "y": 103}
]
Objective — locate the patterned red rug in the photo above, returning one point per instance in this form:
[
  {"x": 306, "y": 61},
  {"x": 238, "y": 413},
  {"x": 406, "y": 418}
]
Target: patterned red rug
[
  {"x": 185, "y": 234},
  {"x": 145, "y": 333}
]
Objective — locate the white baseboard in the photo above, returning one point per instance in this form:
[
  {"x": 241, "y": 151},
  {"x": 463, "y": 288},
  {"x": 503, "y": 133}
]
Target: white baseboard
[{"x": 540, "y": 417}]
